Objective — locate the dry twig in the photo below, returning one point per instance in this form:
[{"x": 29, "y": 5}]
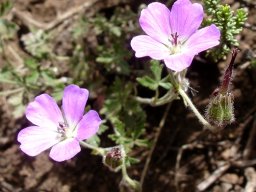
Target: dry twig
[
  {"x": 26, "y": 18},
  {"x": 213, "y": 177},
  {"x": 250, "y": 175},
  {"x": 250, "y": 145},
  {"x": 158, "y": 132}
]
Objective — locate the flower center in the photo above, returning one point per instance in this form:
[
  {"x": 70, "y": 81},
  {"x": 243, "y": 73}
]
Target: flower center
[
  {"x": 175, "y": 44},
  {"x": 65, "y": 131}
]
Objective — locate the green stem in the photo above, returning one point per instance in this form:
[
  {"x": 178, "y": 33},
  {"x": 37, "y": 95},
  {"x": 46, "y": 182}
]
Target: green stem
[
  {"x": 194, "y": 109},
  {"x": 98, "y": 150},
  {"x": 132, "y": 183},
  {"x": 9, "y": 92},
  {"x": 167, "y": 98},
  {"x": 156, "y": 95}
]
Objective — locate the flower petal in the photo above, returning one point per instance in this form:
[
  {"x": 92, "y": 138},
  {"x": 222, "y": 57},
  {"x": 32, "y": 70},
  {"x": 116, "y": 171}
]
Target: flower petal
[
  {"x": 178, "y": 62},
  {"x": 203, "y": 39},
  {"x": 88, "y": 126},
  {"x": 73, "y": 103},
  {"x": 185, "y": 18},
  {"x": 155, "y": 21},
  {"x": 144, "y": 45},
  {"x": 65, "y": 150},
  {"x": 36, "y": 139},
  {"x": 44, "y": 111}
]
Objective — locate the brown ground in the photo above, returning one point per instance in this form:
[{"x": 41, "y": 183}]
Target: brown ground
[{"x": 231, "y": 152}]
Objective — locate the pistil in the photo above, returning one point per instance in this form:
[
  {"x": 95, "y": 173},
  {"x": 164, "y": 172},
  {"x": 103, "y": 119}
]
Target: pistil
[{"x": 175, "y": 39}]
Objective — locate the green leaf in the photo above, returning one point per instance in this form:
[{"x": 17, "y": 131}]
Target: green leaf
[
  {"x": 16, "y": 99},
  {"x": 156, "y": 69},
  {"x": 125, "y": 114},
  {"x": 103, "y": 59},
  {"x": 50, "y": 79},
  {"x": 142, "y": 143},
  {"x": 5, "y": 6},
  {"x": 6, "y": 77},
  {"x": 58, "y": 92},
  {"x": 111, "y": 106},
  {"x": 32, "y": 78},
  {"x": 94, "y": 140},
  {"x": 131, "y": 160},
  {"x": 7, "y": 29},
  {"x": 116, "y": 31},
  {"x": 102, "y": 129},
  {"x": 119, "y": 126},
  {"x": 228, "y": 21},
  {"x": 165, "y": 83},
  {"x": 151, "y": 83},
  {"x": 31, "y": 63},
  {"x": 37, "y": 43},
  {"x": 148, "y": 82}
]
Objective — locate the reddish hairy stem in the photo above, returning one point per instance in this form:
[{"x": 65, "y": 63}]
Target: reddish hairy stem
[{"x": 228, "y": 73}]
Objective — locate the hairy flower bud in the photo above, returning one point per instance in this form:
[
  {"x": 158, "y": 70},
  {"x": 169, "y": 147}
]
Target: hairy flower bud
[
  {"x": 220, "y": 110},
  {"x": 113, "y": 159}
]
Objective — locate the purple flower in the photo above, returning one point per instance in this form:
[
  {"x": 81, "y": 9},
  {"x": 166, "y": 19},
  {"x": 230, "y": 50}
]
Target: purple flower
[
  {"x": 173, "y": 36},
  {"x": 60, "y": 129}
]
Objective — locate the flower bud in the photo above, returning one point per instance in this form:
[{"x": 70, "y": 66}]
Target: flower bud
[
  {"x": 113, "y": 158},
  {"x": 220, "y": 110}
]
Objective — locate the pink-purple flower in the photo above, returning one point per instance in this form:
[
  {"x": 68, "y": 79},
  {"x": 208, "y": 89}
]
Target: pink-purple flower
[
  {"x": 59, "y": 129},
  {"x": 173, "y": 36}
]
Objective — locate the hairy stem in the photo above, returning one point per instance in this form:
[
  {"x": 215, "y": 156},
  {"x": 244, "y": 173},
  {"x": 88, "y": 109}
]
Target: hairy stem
[
  {"x": 194, "y": 109},
  {"x": 228, "y": 73},
  {"x": 135, "y": 185},
  {"x": 99, "y": 150},
  {"x": 167, "y": 98}
]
